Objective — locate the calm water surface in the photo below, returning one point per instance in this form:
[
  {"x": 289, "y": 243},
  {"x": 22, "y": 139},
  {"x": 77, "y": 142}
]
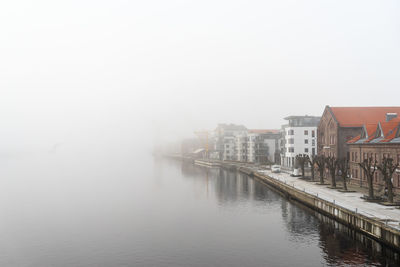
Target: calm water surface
[{"x": 111, "y": 209}]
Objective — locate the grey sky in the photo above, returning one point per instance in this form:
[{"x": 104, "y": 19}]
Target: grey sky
[{"x": 118, "y": 70}]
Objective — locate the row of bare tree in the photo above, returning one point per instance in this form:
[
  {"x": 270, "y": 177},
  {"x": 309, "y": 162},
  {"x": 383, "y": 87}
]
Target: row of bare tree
[{"x": 341, "y": 166}]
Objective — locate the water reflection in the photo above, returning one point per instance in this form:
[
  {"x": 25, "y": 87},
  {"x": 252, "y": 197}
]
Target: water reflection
[{"x": 339, "y": 245}]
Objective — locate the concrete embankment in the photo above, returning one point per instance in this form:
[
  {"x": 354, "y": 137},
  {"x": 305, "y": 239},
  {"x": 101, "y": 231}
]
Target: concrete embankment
[
  {"x": 371, "y": 227},
  {"x": 207, "y": 163}
]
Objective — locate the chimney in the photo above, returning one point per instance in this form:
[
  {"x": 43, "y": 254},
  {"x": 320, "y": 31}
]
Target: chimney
[{"x": 390, "y": 116}]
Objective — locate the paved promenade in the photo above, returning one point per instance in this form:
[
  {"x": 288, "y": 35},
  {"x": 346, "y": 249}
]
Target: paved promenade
[{"x": 350, "y": 200}]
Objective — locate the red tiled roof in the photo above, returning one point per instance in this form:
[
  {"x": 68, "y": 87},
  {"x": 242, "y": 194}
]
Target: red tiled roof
[
  {"x": 261, "y": 131},
  {"x": 371, "y": 130},
  {"x": 354, "y": 139},
  {"x": 358, "y": 116},
  {"x": 389, "y": 130}
]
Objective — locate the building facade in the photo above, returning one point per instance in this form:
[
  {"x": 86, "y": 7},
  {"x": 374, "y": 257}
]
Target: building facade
[
  {"x": 338, "y": 125},
  {"x": 375, "y": 141},
  {"x": 241, "y": 147},
  {"x": 263, "y": 146},
  {"x": 300, "y": 137},
  {"x": 224, "y": 136}
]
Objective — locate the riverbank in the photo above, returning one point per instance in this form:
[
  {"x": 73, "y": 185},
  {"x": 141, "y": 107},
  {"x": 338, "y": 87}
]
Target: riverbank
[{"x": 376, "y": 221}]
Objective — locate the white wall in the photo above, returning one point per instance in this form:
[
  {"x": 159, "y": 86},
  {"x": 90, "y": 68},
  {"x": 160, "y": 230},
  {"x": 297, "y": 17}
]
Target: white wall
[{"x": 299, "y": 145}]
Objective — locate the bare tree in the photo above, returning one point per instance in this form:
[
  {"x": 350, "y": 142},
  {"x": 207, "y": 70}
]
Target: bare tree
[
  {"x": 313, "y": 161},
  {"x": 387, "y": 168},
  {"x": 301, "y": 160},
  {"x": 320, "y": 161},
  {"x": 369, "y": 168},
  {"x": 344, "y": 168},
  {"x": 331, "y": 163}
]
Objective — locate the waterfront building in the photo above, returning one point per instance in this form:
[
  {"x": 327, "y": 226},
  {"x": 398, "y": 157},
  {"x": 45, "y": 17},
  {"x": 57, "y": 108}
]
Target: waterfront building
[
  {"x": 377, "y": 140},
  {"x": 241, "y": 147},
  {"x": 229, "y": 148},
  {"x": 263, "y": 146},
  {"x": 338, "y": 125},
  {"x": 224, "y": 136},
  {"x": 299, "y": 137}
]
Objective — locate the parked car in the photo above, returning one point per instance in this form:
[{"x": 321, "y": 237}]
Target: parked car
[
  {"x": 275, "y": 168},
  {"x": 295, "y": 173}
]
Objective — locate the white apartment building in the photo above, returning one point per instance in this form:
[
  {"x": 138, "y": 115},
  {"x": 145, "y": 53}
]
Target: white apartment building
[
  {"x": 229, "y": 148},
  {"x": 225, "y": 140},
  {"x": 300, "y": 137},
  {"x": 241, "y": 147}
]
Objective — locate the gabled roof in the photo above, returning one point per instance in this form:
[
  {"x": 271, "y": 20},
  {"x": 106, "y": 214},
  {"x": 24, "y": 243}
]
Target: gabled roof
[{"x": 358, "y": 116}]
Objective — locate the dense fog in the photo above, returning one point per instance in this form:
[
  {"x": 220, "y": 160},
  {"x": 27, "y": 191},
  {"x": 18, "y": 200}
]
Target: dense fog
[{"x": 126, "y": 73}]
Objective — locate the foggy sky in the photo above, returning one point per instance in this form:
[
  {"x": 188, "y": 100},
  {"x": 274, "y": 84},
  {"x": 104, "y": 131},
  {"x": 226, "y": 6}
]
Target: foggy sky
[{"x": 131, "y": 71}]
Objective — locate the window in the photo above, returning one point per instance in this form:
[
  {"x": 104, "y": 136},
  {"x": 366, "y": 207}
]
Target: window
[
  {"x": 305, "y": 141},
  {"x": 305, "y": 150},
  {"x": 355, "y": 156},
  {"x": 291, "y": 132},
  {"x": 356, "y": 174},
  {"x": 313, "y": 142},
  {"x": 313, "y": 133},
  {"x": 291, "y": 141},
  {"x": 398, "y": 158},
  {"x": 291, "y": 149},
  {"x": 313, "y": 151},
  {"x": 305, "y": 132},
  {"x": 352, "y": 156}
]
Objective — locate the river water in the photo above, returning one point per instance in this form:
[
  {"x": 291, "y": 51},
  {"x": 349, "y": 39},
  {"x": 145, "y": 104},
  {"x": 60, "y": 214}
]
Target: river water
[{"x": 107, "y": 209}]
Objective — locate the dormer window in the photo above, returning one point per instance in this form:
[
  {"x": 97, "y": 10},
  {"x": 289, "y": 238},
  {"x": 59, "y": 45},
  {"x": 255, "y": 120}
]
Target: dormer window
[{"x": 378, "y": 132}]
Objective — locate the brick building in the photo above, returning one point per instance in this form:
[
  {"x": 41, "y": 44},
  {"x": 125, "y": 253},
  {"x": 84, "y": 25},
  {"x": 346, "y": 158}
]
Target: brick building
[
  {"x": 338, "y": 125},
  {"x": 377, "y": 140}
]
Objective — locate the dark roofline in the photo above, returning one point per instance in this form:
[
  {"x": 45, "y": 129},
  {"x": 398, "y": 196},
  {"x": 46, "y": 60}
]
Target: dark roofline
[{"x": 300, "y": 117}]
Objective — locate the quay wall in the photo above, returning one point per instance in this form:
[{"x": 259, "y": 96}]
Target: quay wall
[
  {"x": 375, "y": 229},
  {"x": 370, "y": 227}
]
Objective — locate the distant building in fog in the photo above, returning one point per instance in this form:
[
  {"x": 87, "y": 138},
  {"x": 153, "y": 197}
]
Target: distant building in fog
[
  {"x": 241, "y": 147},
  {"x": 189, "y": 145},
  {"x": 263, "y": 146},
  {"x": 224, "y": 136}
]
